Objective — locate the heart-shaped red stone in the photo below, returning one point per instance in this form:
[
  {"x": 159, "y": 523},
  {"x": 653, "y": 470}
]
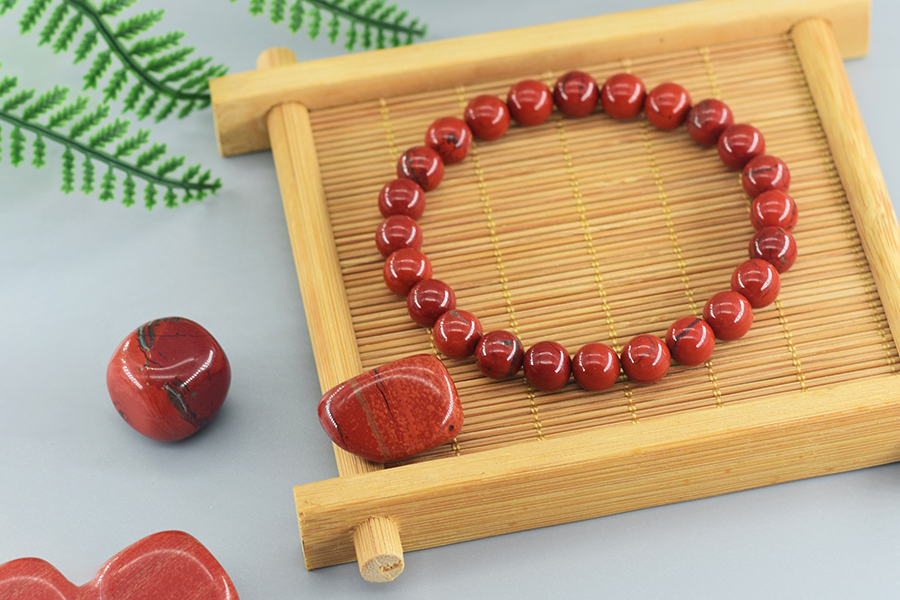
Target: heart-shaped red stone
[
  {"x": 169, "y": 565},
  {"x": 395, "y": 411}
]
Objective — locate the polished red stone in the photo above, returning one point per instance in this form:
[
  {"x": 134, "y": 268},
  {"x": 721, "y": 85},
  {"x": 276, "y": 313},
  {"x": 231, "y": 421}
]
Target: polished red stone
[
  {"x": 667, "y": 106},
  {"x": 776, "y": 246},
  {"x": 707, "y": 120},
  {"x": 645, "y": 359},
  {"x": 456, "y": 333},
  {"x": 773, "y": 209},
  {"x": 401, "y": 197},
  {"x": 393, "y": 412},
  {"x": 168, "y": 378},
  {"x": 451, "y": 138},
  {"x": 757, "y": 281},
  {"x": 162, "y": 566},
  {"x": 576, "y": 94},
  {"x": 691, "y": 341},
  {"x": 405, "y": 268},
  {"x": 395, "y": 232},
  {"x": 423, "y": 165},
  {"x": 428, "y": 300},
  {"x": 622, "y": 96},
  {"x": 729, "y": 314},
  {"x": 595, "y": 367},
  {"x": 499, "y": 354},
  {"x": 487, "y": 116},
  {"x": 738, "y": 144},
  {"x": 547, "y": 366},
  {"x": 530, "y": 102},
  {"x": 765, "y": 173}
]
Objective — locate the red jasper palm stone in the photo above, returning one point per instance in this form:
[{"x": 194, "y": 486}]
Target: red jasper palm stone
[{"x": 393, "y": 412}]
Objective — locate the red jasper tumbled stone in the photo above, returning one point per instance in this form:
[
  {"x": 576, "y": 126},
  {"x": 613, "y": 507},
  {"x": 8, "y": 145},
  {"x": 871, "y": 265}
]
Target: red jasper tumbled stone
[
  {"x": 393, "y": 412},
  {"x": 530, "y": 102},
  {"x": 773, "y": 209},
  {"x": 757, "y": 281},
  {"x": 405, "y": 268},
  {"x": 456, "y": 333},
  {"x": 765, "y": 173},
  {"x": 487, "y": 116},
  {"x": 622, "y": 96},
  {"x": 499, "y": 354},
  {"x": 168, "y": 378},
  {"x": 729, "y": 314},
  {"x": 576, "y": 94},
  {"x": 395, "y": 232},
  {"x": 422, "y": 165},
  {"x": 595, "y": 367},
  {"x": 776, "y": 246},
  {"x": 646, "y": 359},
  {"x": 707, "y": 120},
  {"x": 451, "y": 138},
  {"x": 691, "y": 341},
  {"x": 547, "y": 366},
  {"x": 428, "y": 300},
  {"x": 401, "y": 197},
  {"x": 738, "y": 144},
  {"x": 667, "y": 106}
]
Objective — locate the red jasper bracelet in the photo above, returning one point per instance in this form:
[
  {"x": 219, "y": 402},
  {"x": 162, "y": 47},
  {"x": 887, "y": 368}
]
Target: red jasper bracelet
[{"x": 646, "y": 358}]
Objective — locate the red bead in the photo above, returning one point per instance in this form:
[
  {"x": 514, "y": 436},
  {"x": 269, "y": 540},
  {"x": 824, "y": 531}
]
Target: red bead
[
  {"x": 646, "y": 359},
  {"x": 168, "y": 378},
  {"x": 691, "y": 341},
  {"x": 765, "y": 173},
  {"x": 451, "y": 138},
  {"x": 423, "y": 165},
  {"x": 393, "y": 412},
  {"x": 405, "y": 268},
  {"x": 707, "y": 120},
  {"x": 530, "y": 102},
  {"x": 576, "y": 94},
  {"x": 667, "y": 106},
  {"x": 487, "y": 116},
  {"x": 622, "y": 96},
  {"x": 776, "y": 246},
  {"x": 757, "y": 281},
  {"x": 499, "y": 354},
  {"x": 428, "y": 300},
  {"x": 456, "y": 333},
  {"x": 401, "y": 197},
  {"x": 595, "y": 367},
  {"x": 740, "y": 143},
  {"x": 773, "y": 209},
  {"x": 729, "y": 314},
  {"x": 395, "y": 232},
  {"x": 547, "y": 366}
]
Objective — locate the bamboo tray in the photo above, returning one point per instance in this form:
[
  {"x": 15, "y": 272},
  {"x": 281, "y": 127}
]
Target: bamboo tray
[{"x": 590, "y": 230}]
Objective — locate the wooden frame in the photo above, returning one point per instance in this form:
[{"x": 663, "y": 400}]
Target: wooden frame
[{"x": 366, "y": 512}]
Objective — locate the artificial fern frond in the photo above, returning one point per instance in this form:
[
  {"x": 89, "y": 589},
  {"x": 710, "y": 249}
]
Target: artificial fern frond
[
  {"x": 111, "y": 8},
  {"x": 138, "y": 24},
  {"x": 86, "y": 46},
  {"x": 45, "y": 102},
  {"x": 155, "y": 44},
  {"x": 6, "y": 5},
  {"x": 32, "y": 15},
  {"x": 53, "y": 23},
  {"x": 101, "y": 64},
  {"x": 67, "y": 36},
  {"x": 39, "y": 151},
  {"x": 108, "y": 133},
  {"x": 115, "y": 85}
]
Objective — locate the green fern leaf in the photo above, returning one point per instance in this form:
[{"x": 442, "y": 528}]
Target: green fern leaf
[
  {"x": 334, "y": 27},
  {"x": 351, "y": 38},
  {"x": 149, "y": 196},
  {"x": 129, "y": 28},
  {"x": 296, "y": 20},
  {"x": 108, "y": 186},
  {"x": 170, "y": 200},
  {"x": 133, "y": 143},
  {"x": 53, "y": 23},
  {"x": 17, "y": 100},
  {"x": 366, "y": 38},
  {"x": 89, "y": 121},
  {"x": 128, "y": 190},
  {"x": 257, "y": 7},
  {"x": 387, "y": 12},
  {"x": 115, "y": 85},
  {"x": 134, "y": 94},
  {"x": 153, "y": 45},
  {"x": 67, "y": 36},
  {"x": 277, "y": 10},
  {"x": 6, "y": 5},
  {"x": 355, "y": 5},
  {"x": 68, "y": 112},
  {"x": 166, "y": 110},
  {"x": 380, "y": 39},
  {"x": 45, "y": 102},
  {"x": 167, "y": 61},
  {"x": 169, "y": 165},
  {"x": 16, "y": 147},
  {"x": 87, "y": 44},
  {"x": 32, "y": 15},
  {"x": 148, "y": 105},
  {"x": 110, "y": 8},
  {"x": 1, "y": 139},
  {"x": 40, "y": 152},
  {"x": 150, "y": 156},
  {"x": 190, "y": 173},
  {"x": 101, "y": 63},
  {"x": 7, "y": 84},
  {"x": 186, "y": 71},
  {"x": 315, "y": 22},
  {"x": 186, "y": 109},
  {"x": 108, "y": 133},
  {"x": 87, "y": 176},
  {"x": 203, "y": 78},
  {"x": 373, "y": 7},
  {"x": 68, "y": 161}
]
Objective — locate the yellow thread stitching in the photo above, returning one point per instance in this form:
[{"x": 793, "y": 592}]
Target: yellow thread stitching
[
  {"x": 789, "y": 338},
  {"x": 388, "y": 129},
  {"x": 710, "y": 73}
]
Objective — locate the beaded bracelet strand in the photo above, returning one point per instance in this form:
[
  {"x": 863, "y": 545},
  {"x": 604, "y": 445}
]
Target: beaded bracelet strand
[{"x": 547, "y": 365}]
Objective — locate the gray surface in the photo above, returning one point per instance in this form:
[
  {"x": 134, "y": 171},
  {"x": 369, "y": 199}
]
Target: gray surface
[{"x": 77, "y": 485}]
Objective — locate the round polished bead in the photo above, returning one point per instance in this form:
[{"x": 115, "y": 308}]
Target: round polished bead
[
  {"x": 776, "y": 246},
  {"x": 428, "y": 300},
  {"x": 773, "y": 209},
  {"x": 401, "y": 197},
  {"x": 423, "y": 165},
  {"x": 729, "y": 314},
  {"x": 707, "y": 120},
  {"x": 395, "y": 232},
  {"x": 595, "y": 367},
  {"x": 451, "y": 138},
  {"x": 487, "y": 116},
  {"x": 547, "y": 366},
  {"x": 646, "y": 359},
  {"x": 530, "y": 102},
  {"x": 691, "y": 341},
  {"x": 456, "y": 333},
  {"x": 667, "y": 106},
  {"x": 405, "y": 268},
  {"x": 499, "y": 354},
  {"x": 738, "y": 144},
  {"x": 576, "y": 94},
  {"x": 622, "y": 96},
  {"x": 757, "y": 281},
  {"x": 765, "y": 173}
]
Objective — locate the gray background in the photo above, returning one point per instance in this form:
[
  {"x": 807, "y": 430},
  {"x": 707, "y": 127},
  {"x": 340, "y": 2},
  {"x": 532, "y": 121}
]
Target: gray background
[{"x": 77, "y": 485}]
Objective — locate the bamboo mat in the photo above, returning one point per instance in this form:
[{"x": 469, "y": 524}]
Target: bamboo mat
[{"x": 597, "y": 230}]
